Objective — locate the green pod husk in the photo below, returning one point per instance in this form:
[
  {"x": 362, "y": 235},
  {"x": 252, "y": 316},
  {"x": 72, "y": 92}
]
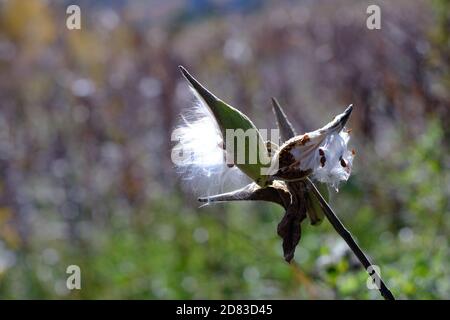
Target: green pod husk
[{"x": 229, "y": 118}]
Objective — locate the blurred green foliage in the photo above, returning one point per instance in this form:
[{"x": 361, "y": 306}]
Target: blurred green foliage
[
  {"x": 85, "y": 171},
  {"x": 170, "y": 251}
]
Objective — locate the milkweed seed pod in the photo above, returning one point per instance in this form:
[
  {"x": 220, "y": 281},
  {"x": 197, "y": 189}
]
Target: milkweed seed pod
[
  {"x": 322, "y": 154},
  {"x": 249, "y": 151}
]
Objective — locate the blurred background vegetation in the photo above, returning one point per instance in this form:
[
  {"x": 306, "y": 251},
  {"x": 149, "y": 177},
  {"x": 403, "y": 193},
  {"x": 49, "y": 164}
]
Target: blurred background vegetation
[{"x": 85, "y": 124}]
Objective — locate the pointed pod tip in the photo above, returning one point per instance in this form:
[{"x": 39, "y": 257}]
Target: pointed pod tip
[
  {"x": 276, "y": 105},
  {"x": 185, "y": 73},
  {"x": 209, "y": 98},
  {"x": 349, "y": 109},
  {"x": 345, "y": 115},
  {"x": 286, "y": 129},
  {"x": 183, "y": 70}
]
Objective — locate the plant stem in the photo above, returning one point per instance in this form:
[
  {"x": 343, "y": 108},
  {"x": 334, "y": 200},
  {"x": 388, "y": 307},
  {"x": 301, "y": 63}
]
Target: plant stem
[{"x": 346, "y": 235}]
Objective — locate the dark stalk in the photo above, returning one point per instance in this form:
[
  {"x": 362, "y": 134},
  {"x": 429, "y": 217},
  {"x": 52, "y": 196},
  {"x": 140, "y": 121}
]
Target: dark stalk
[{"x": 346, "y": 235}]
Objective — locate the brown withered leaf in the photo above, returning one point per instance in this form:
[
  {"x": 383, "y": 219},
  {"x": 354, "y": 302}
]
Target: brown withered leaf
[{"x": 289, "y": 229}]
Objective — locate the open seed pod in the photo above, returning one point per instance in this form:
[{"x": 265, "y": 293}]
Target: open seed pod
[{"x": 246, "y": 149}]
